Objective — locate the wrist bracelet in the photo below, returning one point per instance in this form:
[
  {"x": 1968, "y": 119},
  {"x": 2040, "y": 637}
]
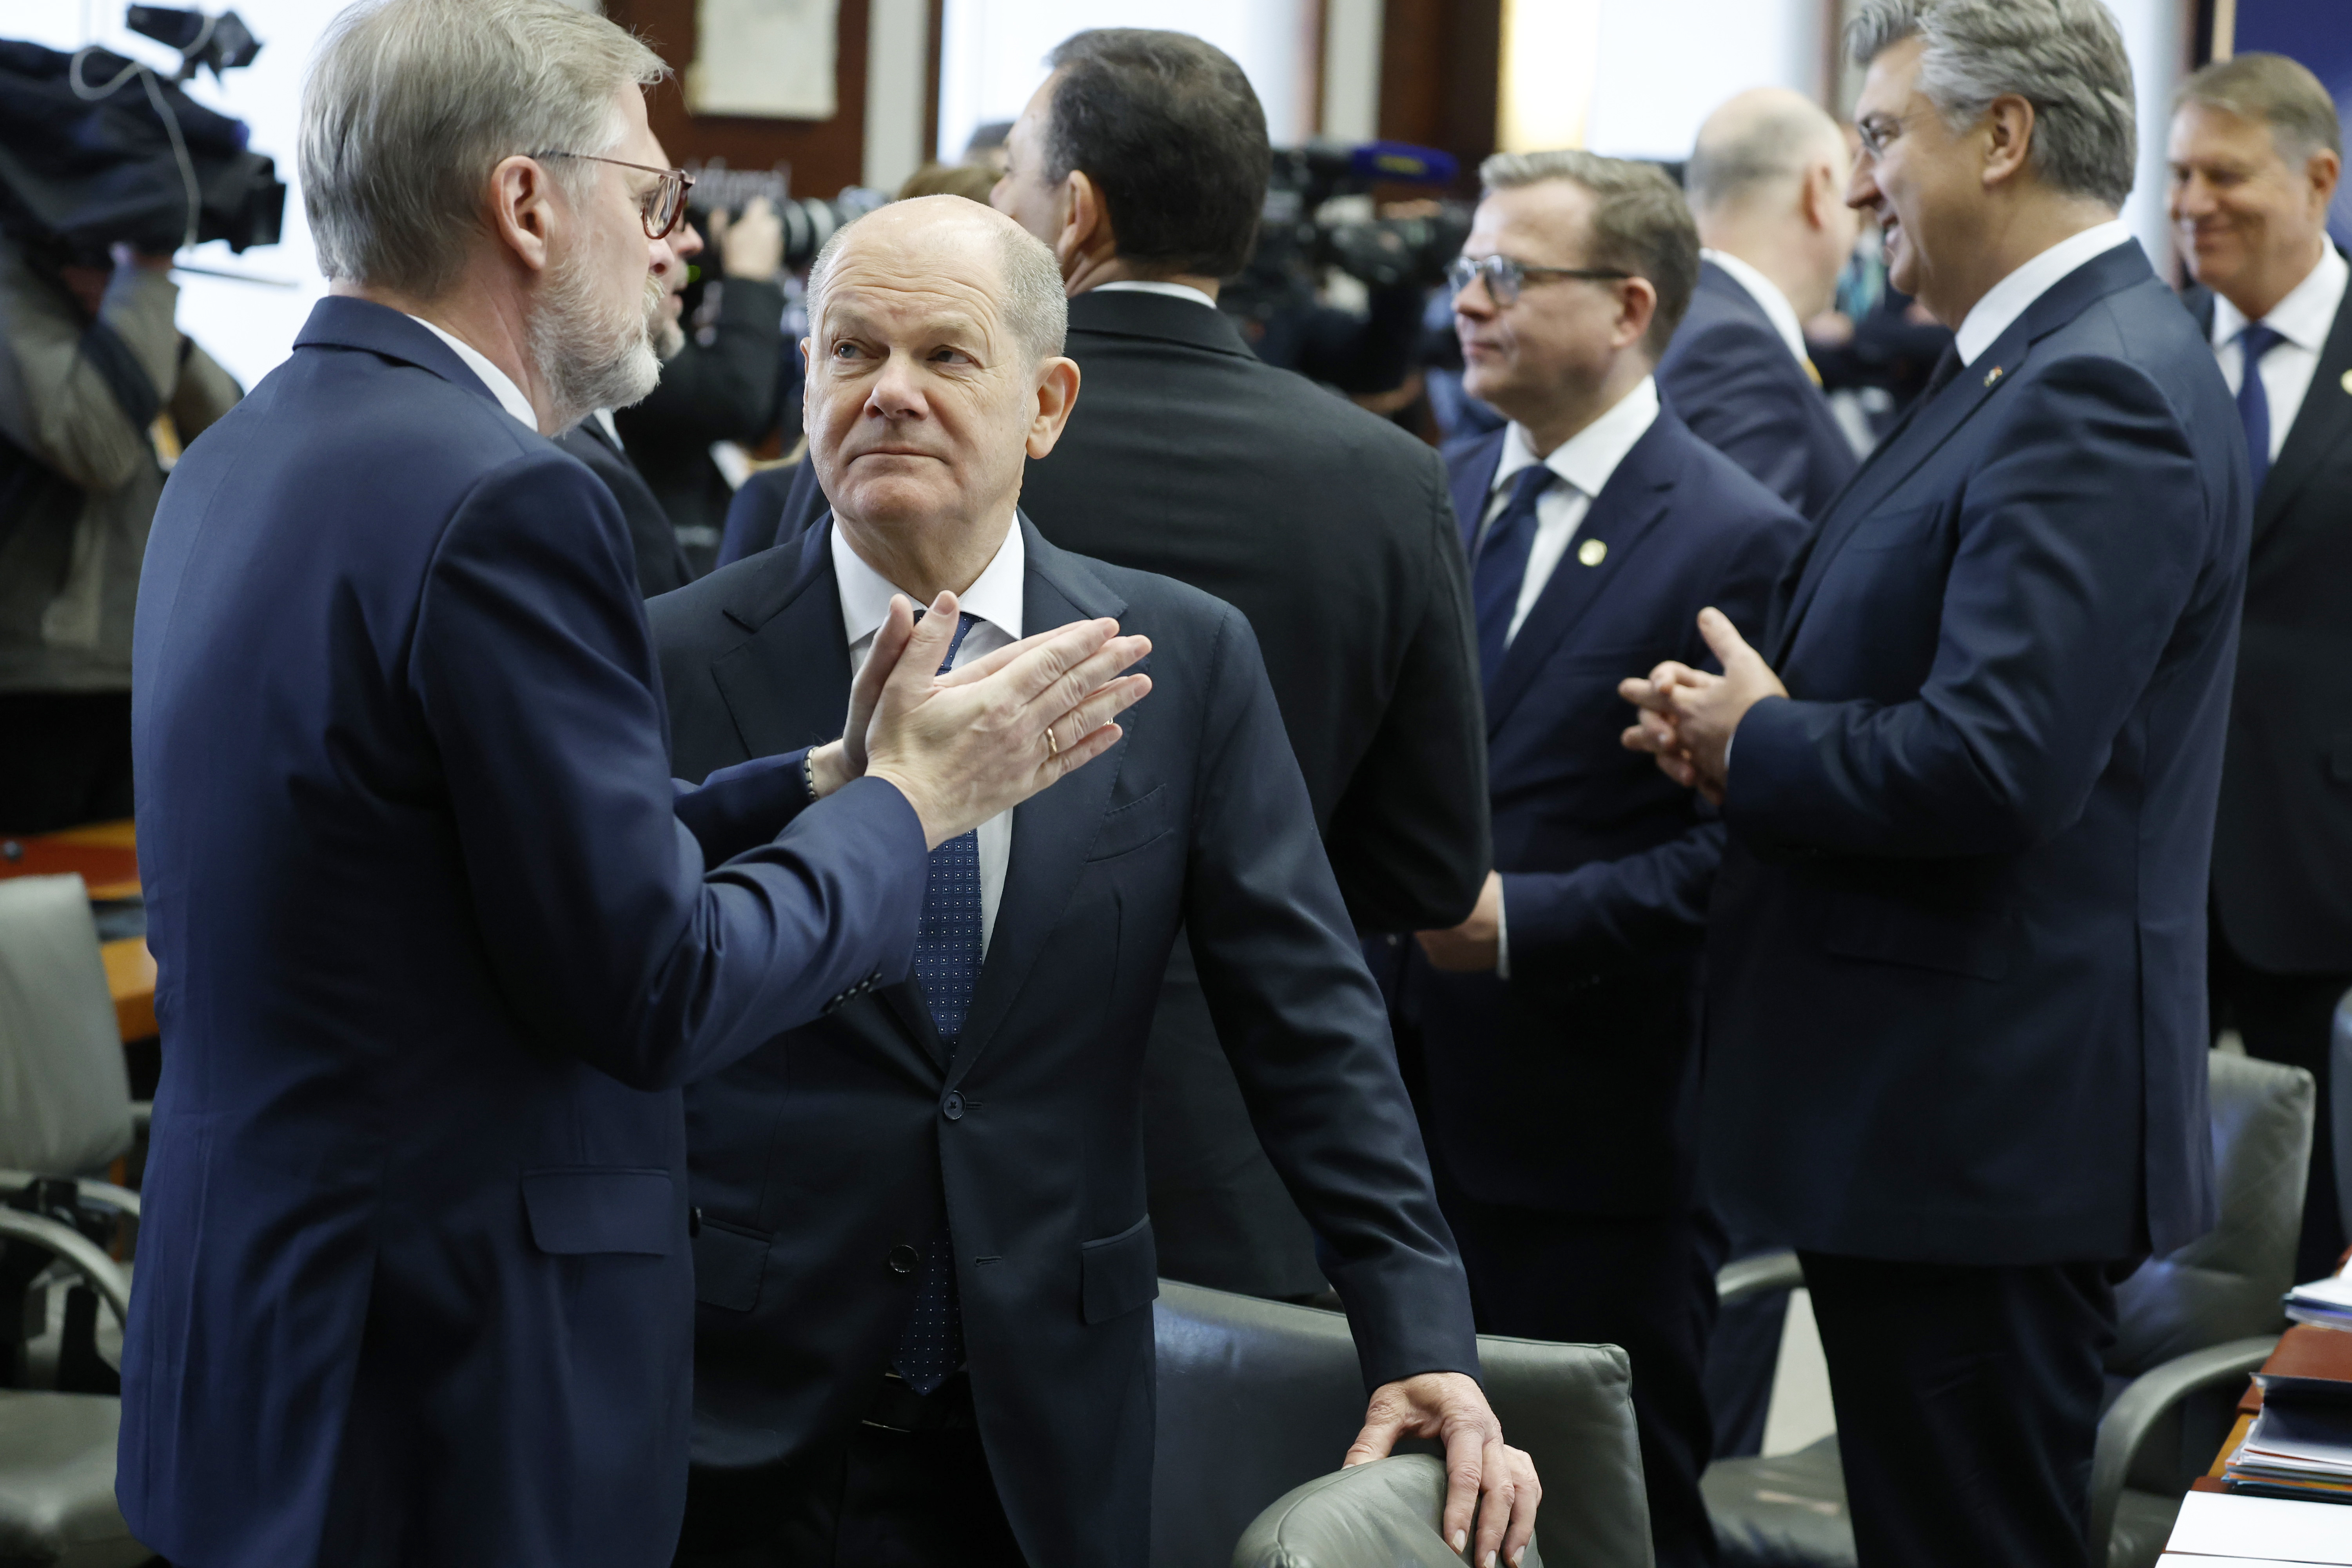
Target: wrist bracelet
[{"x": 808, "y": 772}]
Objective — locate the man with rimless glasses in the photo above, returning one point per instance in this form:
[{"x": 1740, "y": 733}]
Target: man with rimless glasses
[
  {"x": 437, "y": 936},
  {"x": 1558, "y": 1024}
]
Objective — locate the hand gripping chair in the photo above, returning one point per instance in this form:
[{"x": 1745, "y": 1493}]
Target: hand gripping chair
[
  {"x": 1385, "y": 1514},
  {"x": 1259, "y": 1399},
  {"x": 65, "y": 1107},
  {"x": 2191, "y": 1325}
]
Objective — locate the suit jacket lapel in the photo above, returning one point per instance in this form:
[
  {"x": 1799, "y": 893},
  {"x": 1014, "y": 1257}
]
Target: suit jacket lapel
[
  {"x": 786, "y": 686},
  {"x": 1627, "y": 508},
  {"x": 1926, "y": 429},
  {"x": 1050, "y": 830},
  {"x": 1473, "y": 480},
  {"x": 2322, "y": 426}
]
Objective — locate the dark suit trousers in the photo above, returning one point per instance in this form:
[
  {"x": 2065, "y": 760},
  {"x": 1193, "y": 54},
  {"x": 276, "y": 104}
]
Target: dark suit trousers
[
  {"x": 2290, "y": 1018},
  {"x": 1967, "y": 1403},
  {"x": 872, "y": 1499},
  {"x": 1644, "y": 1282}
]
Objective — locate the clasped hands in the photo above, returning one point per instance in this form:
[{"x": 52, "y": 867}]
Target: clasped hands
[
  {"x": 1687, "y": 716},
  {"x": 985, "y": 736}
]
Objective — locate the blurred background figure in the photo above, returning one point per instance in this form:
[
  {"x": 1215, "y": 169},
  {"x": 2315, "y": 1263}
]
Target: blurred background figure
[{"x": 2256, "y": 153}]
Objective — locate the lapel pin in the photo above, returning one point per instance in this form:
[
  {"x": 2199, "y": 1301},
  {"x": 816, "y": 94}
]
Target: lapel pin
[
  {"x": 1593, "y": 551},
  {"x": 1992, "y": 375},
  {"x": 2347, "y": 381}
]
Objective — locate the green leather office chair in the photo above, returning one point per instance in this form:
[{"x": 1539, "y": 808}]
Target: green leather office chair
[
  {"x": 2190, "y": 1326},
  {"x": 1382, "y": 1515},
  {"x": 1257, "y": 1398}
]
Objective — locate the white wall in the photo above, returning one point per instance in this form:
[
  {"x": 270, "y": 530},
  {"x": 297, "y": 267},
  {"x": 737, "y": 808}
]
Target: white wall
[
  {"x": 992, "y": 54},
  {"x": 1664, "y": 65},
  {"x": 245, "y": 327}
]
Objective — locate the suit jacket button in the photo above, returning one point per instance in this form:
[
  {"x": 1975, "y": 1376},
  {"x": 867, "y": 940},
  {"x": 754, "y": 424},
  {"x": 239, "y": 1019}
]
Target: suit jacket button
[
  {"x": 952, "y": 1107},
  {"x": 903, "y": 1258},
  {"x": 694, "y": 1222}
]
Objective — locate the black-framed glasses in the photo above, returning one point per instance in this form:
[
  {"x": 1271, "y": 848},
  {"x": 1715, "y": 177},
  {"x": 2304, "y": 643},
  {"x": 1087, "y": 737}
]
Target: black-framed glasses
[
  {"x": 1878, "y": 132},
  {"x": 1505, "y": 277},
  {"x": 661, "y": 207}
]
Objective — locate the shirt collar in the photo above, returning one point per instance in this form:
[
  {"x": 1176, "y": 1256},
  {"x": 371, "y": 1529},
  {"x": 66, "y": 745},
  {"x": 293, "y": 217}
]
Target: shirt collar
[
  {"x": 1148, "y": 286},
  {"x": 2008, "y": 299},
  {"x": 1767, "y": 296},
  {"x": 502, "y": 387},
  {"x": 2307, "y": 313},
  {"x": 1587, "y": 459},
  {"x": 995, "y": 595}
]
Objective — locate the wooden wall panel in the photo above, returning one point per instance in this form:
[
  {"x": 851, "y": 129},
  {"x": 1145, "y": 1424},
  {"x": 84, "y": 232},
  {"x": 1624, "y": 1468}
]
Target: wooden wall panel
[
  {"x": 825, "y": 155},
  {"x": 1441, "y": 71}
]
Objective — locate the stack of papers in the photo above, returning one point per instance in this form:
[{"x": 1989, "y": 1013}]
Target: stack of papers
[
  {"x": 2297, "y": 1448},
  {"x": 2327, "y": 1302}
]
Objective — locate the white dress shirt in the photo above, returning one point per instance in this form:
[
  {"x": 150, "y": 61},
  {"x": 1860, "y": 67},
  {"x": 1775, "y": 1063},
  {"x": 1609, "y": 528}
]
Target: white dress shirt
[
  {"x": 2303, "y": 318},
  {"x": 502, "y": 387},
  {"x": 2008, "y": 299},
  {"x": 1769, "y": 298},
  {"x": 1150, "y": 285},
  {"x": 994, "y": 600},
  {"x": 1585, "y": 460}
]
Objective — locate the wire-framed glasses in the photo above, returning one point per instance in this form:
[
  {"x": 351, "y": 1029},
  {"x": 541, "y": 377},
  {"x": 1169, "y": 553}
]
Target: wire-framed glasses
[
  {"x": 662, "y": 207},
  {"x": 1505, "y": 276}
]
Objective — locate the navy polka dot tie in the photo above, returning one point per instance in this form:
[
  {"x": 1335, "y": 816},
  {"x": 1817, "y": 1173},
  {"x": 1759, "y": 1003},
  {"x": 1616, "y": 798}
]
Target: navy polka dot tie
[{"x": 947, "y": 961}]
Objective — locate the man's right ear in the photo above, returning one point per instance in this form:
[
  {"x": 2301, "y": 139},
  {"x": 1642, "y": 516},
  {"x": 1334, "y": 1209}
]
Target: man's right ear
[{"x": 1085, "y": 221}]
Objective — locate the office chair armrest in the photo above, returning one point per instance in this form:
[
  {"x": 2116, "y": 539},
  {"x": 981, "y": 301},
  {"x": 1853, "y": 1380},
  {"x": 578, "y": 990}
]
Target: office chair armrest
[
  {"x": 121, "y": 1199},
  {"x": 142, "y": 1115},
  {"x": 2136, "y": 1411},
  {"x": 69, "y": 1244},
  {"x": 1758, "y": 1276}
]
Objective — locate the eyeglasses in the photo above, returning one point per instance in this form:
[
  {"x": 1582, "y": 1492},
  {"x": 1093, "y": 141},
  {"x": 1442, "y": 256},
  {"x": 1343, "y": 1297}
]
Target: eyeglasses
[
  {"x": 1878, "y": 132},
  {"x": 661, "y": 207},
  {"x": 1505, "y": 277}
]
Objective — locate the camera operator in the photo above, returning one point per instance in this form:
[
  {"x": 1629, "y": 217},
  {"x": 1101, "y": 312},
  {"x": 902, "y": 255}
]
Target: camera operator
[
  {"x": 97, "y": 391},
  {"x": 1143, "y": 164},
  {"x": 720, "y": 386}
]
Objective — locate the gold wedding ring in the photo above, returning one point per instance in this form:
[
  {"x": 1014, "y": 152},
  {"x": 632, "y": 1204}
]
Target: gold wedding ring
[{"x": 1053, "y": 747}]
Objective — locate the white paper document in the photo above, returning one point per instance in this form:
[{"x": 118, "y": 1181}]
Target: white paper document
[{"x": 2225, "y": 1526}]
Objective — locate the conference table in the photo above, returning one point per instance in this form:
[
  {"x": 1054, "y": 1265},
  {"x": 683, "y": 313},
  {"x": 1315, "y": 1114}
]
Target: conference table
[
  {"x": 105, "y": 854},
  {"x": 2218, "y": 1528}
]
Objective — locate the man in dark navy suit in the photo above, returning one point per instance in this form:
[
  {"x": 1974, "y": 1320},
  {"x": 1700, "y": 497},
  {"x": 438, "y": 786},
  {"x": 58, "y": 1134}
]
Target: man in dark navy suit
[
  {"x": 1559, "y": 1027},
  {"x": 437, "y": 938},
  {"x": 925, "y": 1267},
  {"x": 1956, "y": 1012},
  {"x": 2256, "y": 155},
  {"x": 1767, "y": 184}
]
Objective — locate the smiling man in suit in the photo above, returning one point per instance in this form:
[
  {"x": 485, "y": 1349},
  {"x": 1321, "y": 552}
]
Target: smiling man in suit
[
  {"x": 1596, "y": 524},
  {"x": 1956, "y": 1012},
  {"x": 2256, "y": 153},
  {"x": 1767, "y": 184},
  {"x": 924, "y": 1266}
]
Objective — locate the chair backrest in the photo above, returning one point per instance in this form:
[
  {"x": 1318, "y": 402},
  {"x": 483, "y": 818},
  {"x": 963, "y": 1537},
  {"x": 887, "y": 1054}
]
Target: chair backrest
[
  {"x": 65, "y": 1095},
  {"x": 1258, "y": 1397},
  {"x": 2226, "y": 1283},
  {"x": 2339, "y": 1089},
  {"x": 1382, "y": 1515}
]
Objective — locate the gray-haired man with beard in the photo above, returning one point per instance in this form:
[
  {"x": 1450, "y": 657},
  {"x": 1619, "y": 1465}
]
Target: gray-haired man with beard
[{"x": 438, "y": 937}]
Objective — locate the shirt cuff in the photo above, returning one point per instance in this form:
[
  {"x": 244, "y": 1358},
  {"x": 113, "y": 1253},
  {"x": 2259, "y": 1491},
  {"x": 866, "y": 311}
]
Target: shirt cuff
[{"x": 1502, "y": 934}]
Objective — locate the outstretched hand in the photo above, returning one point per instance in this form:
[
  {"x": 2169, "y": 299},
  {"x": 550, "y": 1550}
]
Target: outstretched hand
[
  {"x": 1687, "y": 716},
  {"x": 1479, "y": 1466}
]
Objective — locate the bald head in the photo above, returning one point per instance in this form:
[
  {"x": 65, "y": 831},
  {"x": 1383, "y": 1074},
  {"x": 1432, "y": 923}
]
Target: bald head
[
  {"x": 1758, "y": 146},
  {"x": 939, "y": 236}
]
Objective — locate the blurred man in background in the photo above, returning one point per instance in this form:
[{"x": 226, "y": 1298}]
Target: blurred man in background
[
  {"x": 1559, "y": 1025},
  {"x": 1143, "y": 161},
  {"x": 1767, "y": 184},
  {"x": 99, "y": 391},
  {"x": 2256, "y": 153}
]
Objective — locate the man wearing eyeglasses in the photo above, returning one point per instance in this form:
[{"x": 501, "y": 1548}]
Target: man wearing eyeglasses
[
  {"x": 437, "y": 936},
  {"x": 1558, "y": 1024},
  {"x": 1956, "y": 1010}
]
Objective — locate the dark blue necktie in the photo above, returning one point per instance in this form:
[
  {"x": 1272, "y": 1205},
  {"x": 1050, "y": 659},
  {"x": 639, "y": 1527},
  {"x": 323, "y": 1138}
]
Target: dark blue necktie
[
  {"x": 1501, "y": 566},
  {"x": 947, "y": 961},
  {"x": 2253, "y": 402}
]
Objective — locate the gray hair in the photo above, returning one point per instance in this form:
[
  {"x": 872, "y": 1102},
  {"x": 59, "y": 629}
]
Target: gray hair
[
  {"x": 2065, "y": 57},
  {"x": 1640, "y": 224},
  {"x": 411, "y": 103},
  {"x": 2271, "y": 90},
  {"x": 1034, "y": 305}
]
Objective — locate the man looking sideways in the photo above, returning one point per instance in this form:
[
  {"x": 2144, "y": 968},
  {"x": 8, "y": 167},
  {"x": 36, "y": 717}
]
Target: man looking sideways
[
  {"x": 1955, "y": 1014},
  {"x": 437, "y": 938}
]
